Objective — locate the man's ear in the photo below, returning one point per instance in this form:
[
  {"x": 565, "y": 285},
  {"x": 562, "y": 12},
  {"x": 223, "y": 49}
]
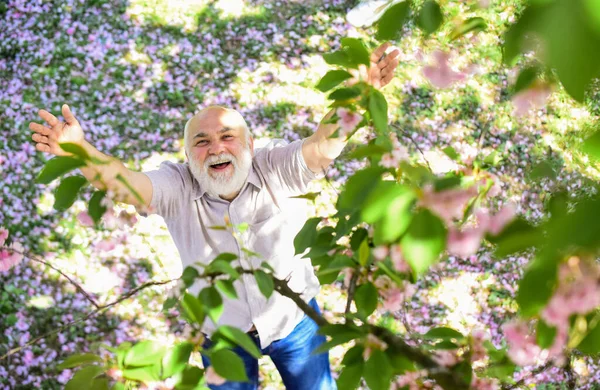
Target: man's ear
[
  {"x": 186, "y": 156},
  {"x": 252, "y": 145}
]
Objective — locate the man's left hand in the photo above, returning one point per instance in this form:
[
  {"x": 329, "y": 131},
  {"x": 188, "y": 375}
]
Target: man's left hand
[{"x": 380, "y": 71}]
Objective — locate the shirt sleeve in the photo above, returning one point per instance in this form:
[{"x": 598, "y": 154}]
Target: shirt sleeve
[
  {"x": 285, "y": 164},
  {"x": 171, "y": 188}
]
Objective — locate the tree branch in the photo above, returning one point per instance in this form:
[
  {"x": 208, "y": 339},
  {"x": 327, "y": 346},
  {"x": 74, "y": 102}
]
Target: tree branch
[{"x": 99, "y": 308}]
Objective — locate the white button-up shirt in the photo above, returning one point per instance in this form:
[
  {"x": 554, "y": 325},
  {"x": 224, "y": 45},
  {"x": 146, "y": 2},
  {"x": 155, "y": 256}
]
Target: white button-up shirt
[{"x": 278, "y": 173}]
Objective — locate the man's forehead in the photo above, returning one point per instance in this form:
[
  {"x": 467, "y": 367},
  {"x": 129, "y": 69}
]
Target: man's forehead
[{"x": 215, "y": 120}]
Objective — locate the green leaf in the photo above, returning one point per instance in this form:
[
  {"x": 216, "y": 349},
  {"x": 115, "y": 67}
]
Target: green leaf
[
  {"x": 226, "y": 256},
  {"x": 358, "y": 188},
  {"x": 359, "y": 235},
  {"x": 193, "y": 308},
  {"x": 542, "y": 170},
  {"x": 379, "y": 200},
  {"x": 350, "y": 377},
  {"x": 363, "y": 253},
  {"x": 226, "y": 287},
  {"x": 365, "y": 298},
  {"x": 84, "y": 377},
  {"x": 391, "y": 22},
  {"x": 452, "y": 153},
  {"x": 569, "y": 40},
  {"x": 443, "y": 333},
  {"x": 545, "y": 334},
  {"x": 344, "y": 93},
  {"x": 58, "y": 166},
  {"x": 378, "y": 108},
  {"x": 99, "y": 384},
  {"x": 591, "y": 342},
  {"x": 332, "y": 79},
  {"x": 471, "y": 24},
  {"x": 265, "y": 283},
  {"x": 67, "y": 192},
  {"x": 517, "y": 236},
  {"x": 240, "y": 338},
  {"x": 354, "y": 355},
  {"x": 431, "y": 17},
  {"x": 526, "y": 78},
  {"x": 75, "y": 149},
  {"x": 356, "y": 50},
  {"x": 378, "y": 371},
  {"x": 143, "y": 374},
  {"x": 309, "y": 196},
  {"x": 536, "y": 287},
  {"x": 229, "y": 365},
  {"x": 424, "y": 241},
  {"x": 79, "y": 360},
  {"x": 210, "y": 298},
  {"x": 189, "y": 378},
  {"x": 144, "y": 353},
  {"x": 224, "y": 267},
  {"x": 95, "y": 209},
  {"x": 176, "y": 359},
  {"x": 306, "y": 236},
  {"x": 340, "y": 58},
  {"x": 367, "y": 151},
  {"x": 189, "y": 275},
  {"x": 591, "y": 146}
]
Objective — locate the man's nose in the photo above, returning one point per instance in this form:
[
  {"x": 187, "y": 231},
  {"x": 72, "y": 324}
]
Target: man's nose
[{"x": 216, "y": 148}]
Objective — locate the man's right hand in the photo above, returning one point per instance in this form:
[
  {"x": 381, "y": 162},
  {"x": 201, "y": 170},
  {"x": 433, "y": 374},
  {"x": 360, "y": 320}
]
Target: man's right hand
[{"x": 49, "y": 137}]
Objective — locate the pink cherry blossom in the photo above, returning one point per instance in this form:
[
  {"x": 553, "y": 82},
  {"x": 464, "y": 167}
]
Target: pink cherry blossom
[
  {"x": 449, "y": 204},
  {"x": 393, "y": 299},
  {"x": 440, "y": 74},
  {"x": 484, "y": 384},
  {"x": 464, "y": 243},
  {"x": 531, "y": 99},
  {"x": 522, "y": 347},
  {"x": 348, "y": 120},
  {"x": 446, "y": 358},
  {"x": 497, "y": 222},
  {"x": 399, "y": 153},
  {"x": 11, "y": 256},
  {"x": 398, "y": 260},
  {"x": 380, "y": 252},
  {"x": 85, "y": 219},
  {"x": 478, "y": 351},
  {"x": 3, "y": 235},
  {"x": 212, "y": 378}
]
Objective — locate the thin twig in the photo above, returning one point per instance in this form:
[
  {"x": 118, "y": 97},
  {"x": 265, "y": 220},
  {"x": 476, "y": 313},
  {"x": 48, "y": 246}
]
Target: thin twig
[
  {"x": 351, "y": 289},
  {"x": 406, "y": 135},
  {"x": 75, "y": 284},
  {"x": 99, "y": 309}
]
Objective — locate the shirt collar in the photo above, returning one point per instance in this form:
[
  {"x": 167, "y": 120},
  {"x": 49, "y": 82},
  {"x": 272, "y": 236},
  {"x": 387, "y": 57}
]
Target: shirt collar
[{"x": 253, "y": 179}]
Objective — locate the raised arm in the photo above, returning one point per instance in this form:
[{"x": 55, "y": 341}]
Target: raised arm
[
  {"x": 319, "y": 150},
  {"x": 48, "y": 136}
]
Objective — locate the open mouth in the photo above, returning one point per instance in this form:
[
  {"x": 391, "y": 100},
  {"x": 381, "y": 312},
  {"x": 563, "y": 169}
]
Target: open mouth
[{"x": 221, "y": 166}]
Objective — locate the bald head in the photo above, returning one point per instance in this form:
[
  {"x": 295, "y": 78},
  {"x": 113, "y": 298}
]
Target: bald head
[{"x": 207, "y": 118}]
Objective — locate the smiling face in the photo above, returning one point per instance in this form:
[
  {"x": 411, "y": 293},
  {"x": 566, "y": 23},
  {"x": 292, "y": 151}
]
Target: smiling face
[{"x": 219, "y": 150}]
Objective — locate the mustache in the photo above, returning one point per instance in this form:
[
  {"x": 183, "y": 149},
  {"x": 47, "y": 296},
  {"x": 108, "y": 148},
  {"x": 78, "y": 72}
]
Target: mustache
[{"x": 221, "y": 158}]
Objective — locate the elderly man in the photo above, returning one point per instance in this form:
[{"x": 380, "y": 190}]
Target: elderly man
[{"x": 226, "y": 177}]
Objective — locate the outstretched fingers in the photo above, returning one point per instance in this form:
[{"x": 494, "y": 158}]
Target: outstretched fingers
[
  {"x": 68, "y": 115},
  {"x": 380, "y": 51},
  {"x": 48, "y": 117},
  {"x": 40, "y": 129}
]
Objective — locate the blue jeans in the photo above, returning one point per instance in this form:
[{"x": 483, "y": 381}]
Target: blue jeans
[{"x": 299, "y": 369}]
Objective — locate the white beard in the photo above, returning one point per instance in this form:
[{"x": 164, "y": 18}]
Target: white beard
[{"x": 219, "y": 183}]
